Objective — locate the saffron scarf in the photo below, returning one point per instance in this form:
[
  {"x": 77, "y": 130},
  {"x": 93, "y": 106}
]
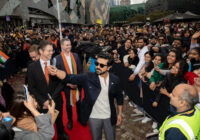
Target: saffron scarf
[{"x": 74, "y": 92}]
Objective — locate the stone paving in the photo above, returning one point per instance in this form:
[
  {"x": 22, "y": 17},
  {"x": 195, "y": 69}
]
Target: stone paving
[{"x": 128, "y": 130}]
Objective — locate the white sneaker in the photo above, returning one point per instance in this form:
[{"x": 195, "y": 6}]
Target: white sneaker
[
  {"x": 155, "y": 131},
  {"x": 130, "y": 104},
  {"x": 137, "y": 112},
  {"x": 126, "y": 98},
  {"x": 145, "y": 120},
  {"x": 154, "y": 125}
]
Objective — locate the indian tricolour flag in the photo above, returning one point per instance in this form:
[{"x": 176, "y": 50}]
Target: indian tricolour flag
[{"x": 3, "y": 57}]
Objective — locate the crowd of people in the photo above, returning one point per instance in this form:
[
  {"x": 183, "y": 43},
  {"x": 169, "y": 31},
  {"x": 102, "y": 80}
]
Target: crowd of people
[{"x": 155, "y": 67}]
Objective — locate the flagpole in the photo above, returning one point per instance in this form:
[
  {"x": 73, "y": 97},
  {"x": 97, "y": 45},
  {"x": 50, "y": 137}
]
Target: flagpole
[{"x": 59, "y": 20}]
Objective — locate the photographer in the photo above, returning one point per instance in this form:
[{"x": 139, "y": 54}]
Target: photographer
[{"x": 30, "y": 124}]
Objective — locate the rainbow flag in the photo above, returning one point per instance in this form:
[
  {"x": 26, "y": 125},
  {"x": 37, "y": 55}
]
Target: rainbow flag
[{"x": 3, "y": 57}]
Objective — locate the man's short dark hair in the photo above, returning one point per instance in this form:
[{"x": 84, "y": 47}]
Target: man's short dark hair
[
  {"x": 53, "y": 35},
  {"x": 107, "y": 56},
  {"x": 162, "y": 35},
  {"x": 141, "y": 38},
  {"x": 33, "y": 48},
  {"x": 179, "y": 39},
  {"x": 128, "y": 39},
  {"x": 144, "y": 39},
  {"x": 153, "y": 36},
  {"x": 43, "y": 44}
]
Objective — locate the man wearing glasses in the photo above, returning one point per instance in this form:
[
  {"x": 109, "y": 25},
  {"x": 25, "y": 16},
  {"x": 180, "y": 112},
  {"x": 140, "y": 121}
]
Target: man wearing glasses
[{"x": 101, "y": 88}]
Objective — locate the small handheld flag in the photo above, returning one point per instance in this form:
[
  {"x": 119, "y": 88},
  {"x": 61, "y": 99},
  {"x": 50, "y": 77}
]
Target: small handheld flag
[{"x": 3, "y": 57}]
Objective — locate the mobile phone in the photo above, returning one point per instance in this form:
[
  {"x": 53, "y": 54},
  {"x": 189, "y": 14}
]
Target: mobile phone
[
  {"x": 26, "y": 92},
  {"x": 50, "y": 99},
  {"x": 7, "y": 119},
  {"x": 54, "y": 62}
]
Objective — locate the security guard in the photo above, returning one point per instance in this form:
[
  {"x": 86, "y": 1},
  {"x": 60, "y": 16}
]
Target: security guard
[{"x": 184, "y": 124}]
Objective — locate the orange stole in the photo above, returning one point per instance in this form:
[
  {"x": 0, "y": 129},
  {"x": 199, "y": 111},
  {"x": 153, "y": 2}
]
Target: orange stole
[
  {"x": 74, "y": 69},
  {"x": 55, "y": 43}
]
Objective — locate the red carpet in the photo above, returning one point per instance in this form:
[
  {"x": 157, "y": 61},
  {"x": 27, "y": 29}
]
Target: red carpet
[{"x": 78, "y": 131}]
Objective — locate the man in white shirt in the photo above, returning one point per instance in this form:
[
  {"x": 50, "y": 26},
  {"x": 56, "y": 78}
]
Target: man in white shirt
[
  {"x": 70, "y": 63},
  {"x": 142, "y": 50}
]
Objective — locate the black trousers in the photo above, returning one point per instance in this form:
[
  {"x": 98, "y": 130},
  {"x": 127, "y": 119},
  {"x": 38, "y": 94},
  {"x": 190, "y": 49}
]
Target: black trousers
[{"x": 69, "y": 107}]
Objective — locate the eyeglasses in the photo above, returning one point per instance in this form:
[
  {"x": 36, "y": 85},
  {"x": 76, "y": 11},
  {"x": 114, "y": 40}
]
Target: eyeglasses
[{"x": 101, "y": 65}]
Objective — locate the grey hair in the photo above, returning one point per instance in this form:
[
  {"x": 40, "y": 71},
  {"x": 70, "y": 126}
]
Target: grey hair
[{"x": 189, "y": 98}]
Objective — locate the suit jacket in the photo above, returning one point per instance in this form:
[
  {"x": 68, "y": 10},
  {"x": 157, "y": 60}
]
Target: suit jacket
[
  {"x": 26, "y": 77},
  {"x": 92, "y": 89},
  {"x": 38, "y": 86},
  {"x": 60, "y": 65}
]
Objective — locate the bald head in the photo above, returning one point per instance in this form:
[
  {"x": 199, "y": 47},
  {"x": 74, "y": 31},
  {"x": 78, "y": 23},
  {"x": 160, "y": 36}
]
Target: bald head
[
  {"x": 185, "y": 87},
  {"x": 187, "y": 93}
]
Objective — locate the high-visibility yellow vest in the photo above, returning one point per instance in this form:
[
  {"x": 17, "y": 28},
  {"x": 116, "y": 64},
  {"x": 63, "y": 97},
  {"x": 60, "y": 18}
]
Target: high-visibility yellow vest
[{"x": 188, "y": 125}]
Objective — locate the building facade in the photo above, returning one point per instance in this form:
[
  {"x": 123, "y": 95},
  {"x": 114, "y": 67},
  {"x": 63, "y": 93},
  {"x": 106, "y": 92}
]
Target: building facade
[
  {"x": 175, "y": 5},
  {"x": 97, "y": 10},
  {"x": 45, "y": 11},
  {"x": 114, "y": 2}
]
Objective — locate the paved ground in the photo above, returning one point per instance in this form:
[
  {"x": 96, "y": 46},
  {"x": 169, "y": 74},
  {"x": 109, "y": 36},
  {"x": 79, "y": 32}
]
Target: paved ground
[{"x": 129, "y": 130}]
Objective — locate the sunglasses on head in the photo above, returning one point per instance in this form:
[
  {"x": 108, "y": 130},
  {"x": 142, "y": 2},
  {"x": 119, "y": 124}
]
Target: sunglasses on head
[{"x": 101, "y": 65}]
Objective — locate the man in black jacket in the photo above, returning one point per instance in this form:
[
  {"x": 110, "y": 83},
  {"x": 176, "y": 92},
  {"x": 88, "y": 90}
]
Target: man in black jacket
[
  {"x": 40, "y": 83},
  {"x": 101, "y": 88},
  {"x": 34, "y": 55}
]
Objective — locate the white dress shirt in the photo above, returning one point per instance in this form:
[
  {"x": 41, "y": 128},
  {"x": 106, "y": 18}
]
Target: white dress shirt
[
  {"x": 69, "y": 61},
  {"x": 101, "y": 108}
]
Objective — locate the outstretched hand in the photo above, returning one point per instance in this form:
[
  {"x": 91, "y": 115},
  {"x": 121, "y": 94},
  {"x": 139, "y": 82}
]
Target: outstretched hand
[
  {"x": 131, "y": 77},
  {"x": 52, "y": 70}
]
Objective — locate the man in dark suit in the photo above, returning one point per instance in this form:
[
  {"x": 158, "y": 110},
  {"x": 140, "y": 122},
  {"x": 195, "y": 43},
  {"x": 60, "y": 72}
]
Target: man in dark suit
[
  {"x": 40, "y": 83},
  {"x": 65, "y": 62},
  {"x": 34, "y": 55},
  {"x": 101, "y": 88}
]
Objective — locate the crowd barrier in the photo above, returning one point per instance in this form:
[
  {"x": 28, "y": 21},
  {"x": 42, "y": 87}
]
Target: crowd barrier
[{"x": 145, "y": 99}]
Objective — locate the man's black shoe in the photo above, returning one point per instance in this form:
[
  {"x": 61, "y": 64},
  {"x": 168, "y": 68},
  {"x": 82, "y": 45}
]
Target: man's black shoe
[{"x": 70, "y": 125}]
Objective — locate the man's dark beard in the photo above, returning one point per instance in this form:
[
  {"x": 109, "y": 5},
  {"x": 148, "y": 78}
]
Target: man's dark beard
[{"x": 101, "y": 72}]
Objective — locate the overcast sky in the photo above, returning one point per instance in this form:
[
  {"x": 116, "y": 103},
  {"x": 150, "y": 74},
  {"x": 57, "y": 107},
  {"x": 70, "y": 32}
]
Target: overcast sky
[{"x": 137, "y": 1}]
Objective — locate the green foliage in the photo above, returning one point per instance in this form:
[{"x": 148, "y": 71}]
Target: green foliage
[
  {"x": 134, "y": 12},
  {"x": 123, "y": 13},
  {"x": 153, "y": 16}
]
